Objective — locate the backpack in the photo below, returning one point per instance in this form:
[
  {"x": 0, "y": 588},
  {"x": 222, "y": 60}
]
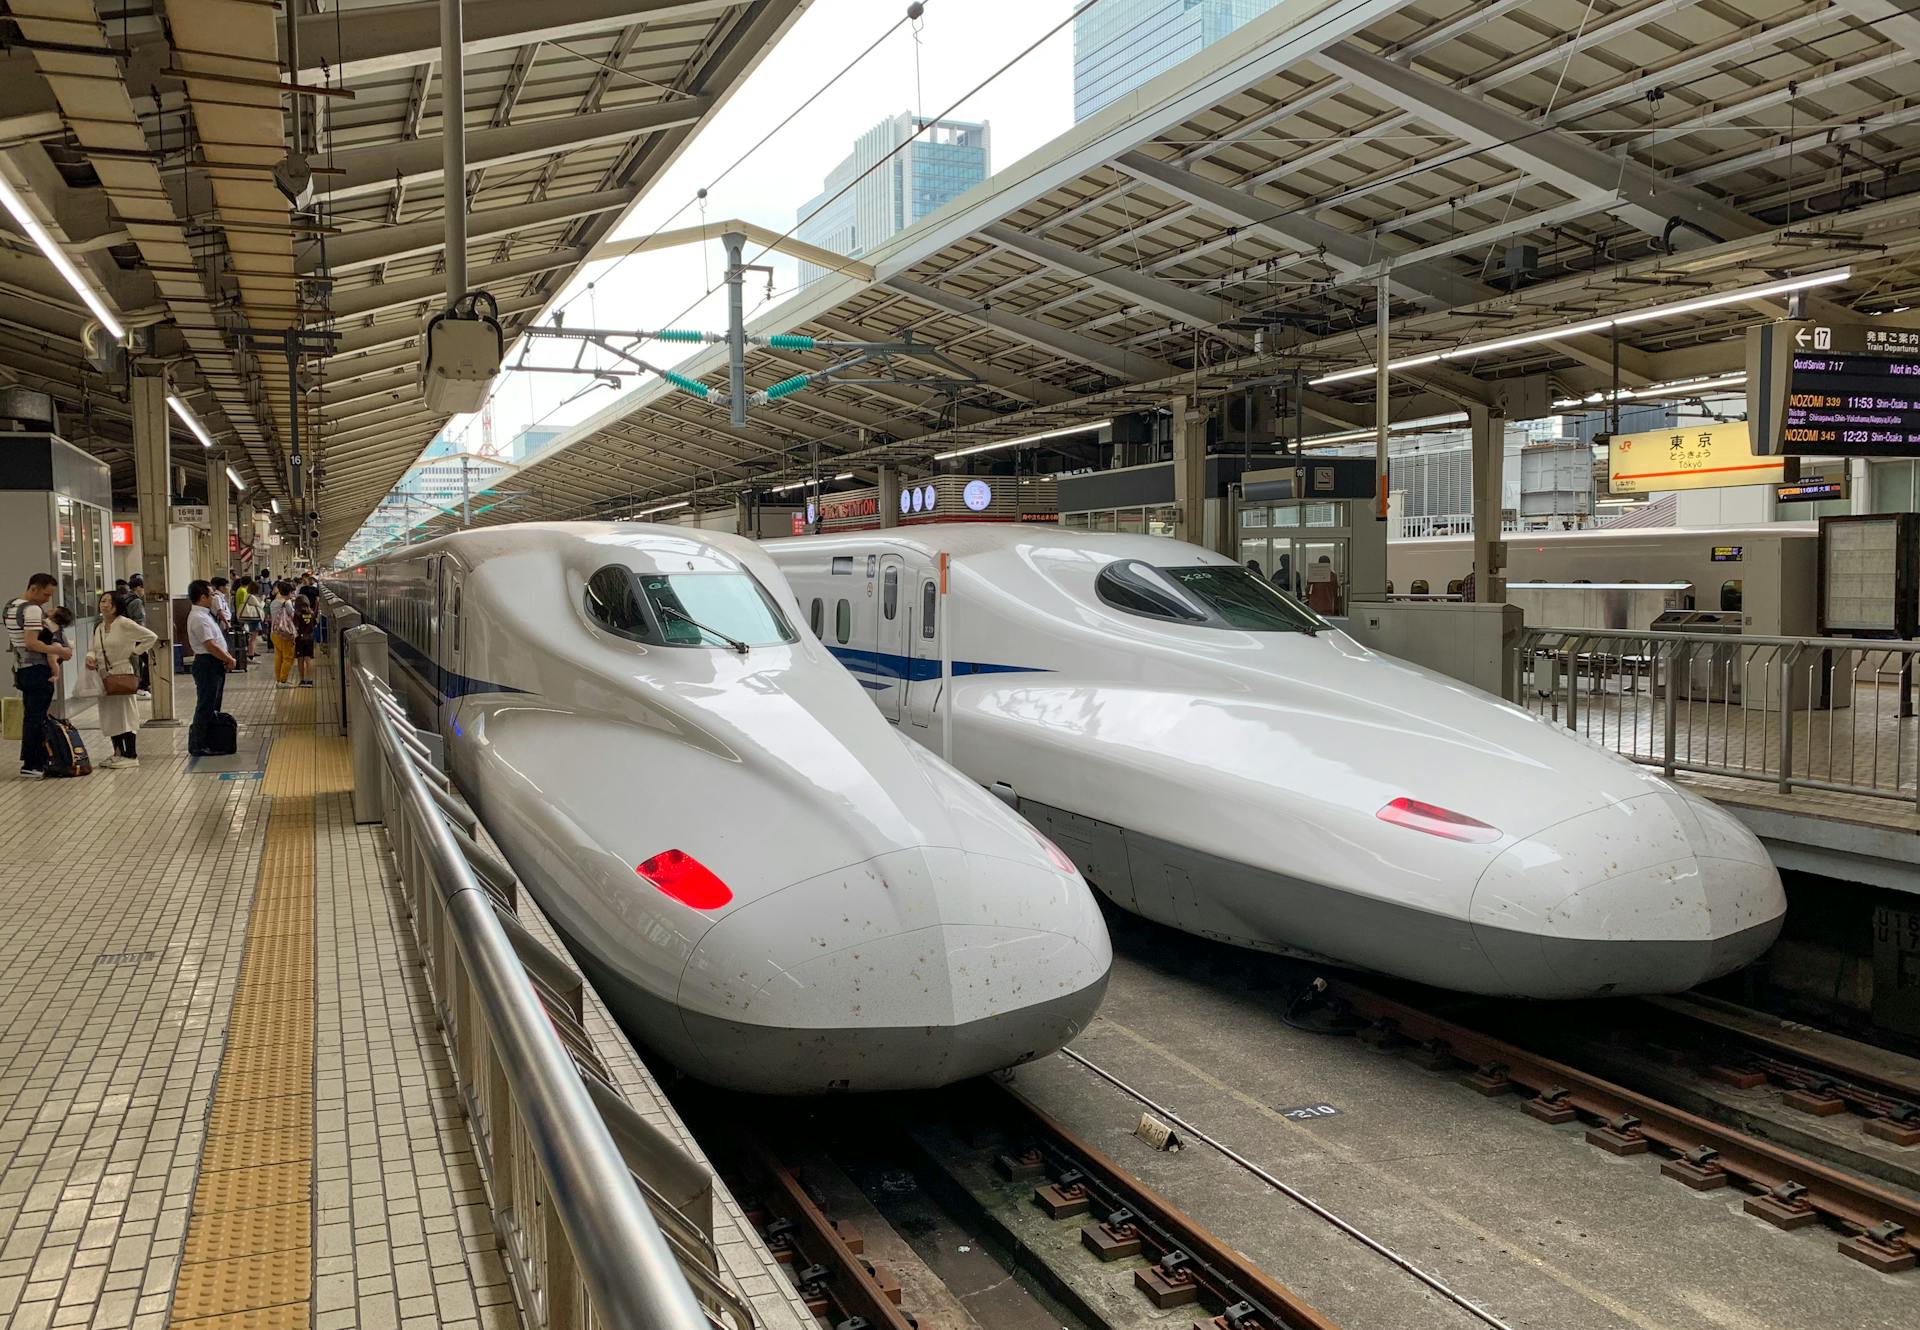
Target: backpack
[
  {"x": 283, "y": 625},
  {"x": 66, "y": 754}
]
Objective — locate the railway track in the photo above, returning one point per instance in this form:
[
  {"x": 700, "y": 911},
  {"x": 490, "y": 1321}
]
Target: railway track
[{"x": 1878, "y": 1227}]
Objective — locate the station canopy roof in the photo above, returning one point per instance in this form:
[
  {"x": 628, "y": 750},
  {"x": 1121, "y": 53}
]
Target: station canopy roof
[
  {"x": 144, "y": 141},
  {"x": 1639, "y": 154}
]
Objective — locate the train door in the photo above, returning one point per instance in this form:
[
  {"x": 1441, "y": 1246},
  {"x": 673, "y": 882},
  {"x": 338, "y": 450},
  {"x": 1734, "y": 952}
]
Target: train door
[
  {"x": 923, "y": 647},
  {"x": 451, "y": 642},
  {"x": 890, "y": 641}
]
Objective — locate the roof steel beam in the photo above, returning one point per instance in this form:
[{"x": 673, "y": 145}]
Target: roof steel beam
[
  {"x": 1618, "y": 184},
  {"x": 1344, "y": 250},
  {"x": 1103, "y": 356},
  {"x": 395, "y": 36},
  {"x": 374, "y": 168},
  {"x": 382, "y": 244},
  {"x": 398, "y": 295},
  {"x": 1154, "y": 293}
]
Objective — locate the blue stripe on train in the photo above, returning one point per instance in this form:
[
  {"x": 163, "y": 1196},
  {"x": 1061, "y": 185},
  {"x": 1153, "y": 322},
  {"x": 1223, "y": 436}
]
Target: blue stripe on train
[
  {"x": 445, "y": 683},
  {"x": 892, "y": 668}
]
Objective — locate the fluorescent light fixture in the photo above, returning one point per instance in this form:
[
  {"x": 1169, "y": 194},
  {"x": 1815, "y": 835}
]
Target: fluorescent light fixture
[
  {"x": 275, "y": 505},
  {"x": 1358, "y": 435},
  {"x": 1734, "y": 297},
  {"x": 191, "y": 421},
  {"x": 1023, "y": 439},
  {"x": 234, "y": 476},
  {"x": 802, "y": 484},
  {"x": 663, "y": 508},
  {"x": 1676, "y": 389},
  {"x": 38, "y": 234}
]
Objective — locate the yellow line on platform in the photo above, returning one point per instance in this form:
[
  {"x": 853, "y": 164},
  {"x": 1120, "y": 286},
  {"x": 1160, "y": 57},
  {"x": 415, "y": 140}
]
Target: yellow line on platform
[{"x": 248, "y": 1259}]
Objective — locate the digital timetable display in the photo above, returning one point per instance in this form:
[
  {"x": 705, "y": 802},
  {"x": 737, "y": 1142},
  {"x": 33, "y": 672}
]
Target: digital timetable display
[
  {"x": 1859, "y": 405},
  {"x": 1834, "y": 390}
]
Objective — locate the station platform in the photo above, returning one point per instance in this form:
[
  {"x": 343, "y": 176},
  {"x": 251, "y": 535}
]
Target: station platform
[
  {"x": 1524, "y": 1221},
  {"x": 224, "y": 1099}
]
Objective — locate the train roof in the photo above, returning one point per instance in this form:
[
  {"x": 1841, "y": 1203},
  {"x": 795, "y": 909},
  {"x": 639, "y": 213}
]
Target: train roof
[
  {"x": 964, "y": 539},
  {"x": 646, "y": 546}
]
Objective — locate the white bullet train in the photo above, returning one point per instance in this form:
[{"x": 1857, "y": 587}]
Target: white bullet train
[
  {"x": 768, "y": 884},
  {"x": 1216, "y": 757}
]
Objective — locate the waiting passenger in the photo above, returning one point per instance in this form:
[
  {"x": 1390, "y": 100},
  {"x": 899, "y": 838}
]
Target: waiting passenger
[
  {"x": 305, "y": 617},
  {"x": 211, "y": 661},
  {"x": 284, "y": 631},
  {"x": 251, "y": 608},
  {"x": 117, "y": 644},
  {"x": 32, "y": 670},
  {"x": 1466, "y": 583},
  {"x": 137, "y": 611}
]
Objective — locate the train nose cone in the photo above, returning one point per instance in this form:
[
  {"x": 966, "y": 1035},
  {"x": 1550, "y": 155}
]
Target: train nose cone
[
  {"x": 915, "y": 968},
  {"x": 1652, "y": 894}
]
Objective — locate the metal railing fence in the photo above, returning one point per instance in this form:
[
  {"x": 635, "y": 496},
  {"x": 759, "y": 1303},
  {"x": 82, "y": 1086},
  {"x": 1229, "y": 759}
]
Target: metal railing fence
[
  {"x": 1817, "y": 713},
  {"x": 605, "y": 1221}
]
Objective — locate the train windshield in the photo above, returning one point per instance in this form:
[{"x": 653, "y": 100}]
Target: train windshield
[
  {"x": 729, "y": 610},
  {"x": 1226, "y": 596},
  {"x": 713, "y": 610}
]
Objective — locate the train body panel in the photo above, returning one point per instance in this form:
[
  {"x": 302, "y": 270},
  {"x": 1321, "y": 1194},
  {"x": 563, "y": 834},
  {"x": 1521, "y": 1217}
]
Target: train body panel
[
  {"x": 597, "y": 747},
  {"x": 1233, "y": 782}
]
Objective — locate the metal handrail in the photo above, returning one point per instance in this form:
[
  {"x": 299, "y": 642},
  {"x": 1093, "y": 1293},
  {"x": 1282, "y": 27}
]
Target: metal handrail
[
  {"x": 1810, "y": 713},
  {"x": 632, "y": 1277}
]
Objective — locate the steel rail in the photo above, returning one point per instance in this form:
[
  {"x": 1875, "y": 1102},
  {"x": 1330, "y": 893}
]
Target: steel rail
[
  {"x": 1225, "y": 1275},
  {"x": 1758, "y": 1163},
  {"x": 814, "y": 1240},
  {"x": 632, "y": 1277},
  {"x": 1289, "y": 1304}
]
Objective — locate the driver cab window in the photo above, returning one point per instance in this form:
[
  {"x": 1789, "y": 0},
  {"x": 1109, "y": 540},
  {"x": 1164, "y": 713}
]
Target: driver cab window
[{"x": 612, "y": 604}]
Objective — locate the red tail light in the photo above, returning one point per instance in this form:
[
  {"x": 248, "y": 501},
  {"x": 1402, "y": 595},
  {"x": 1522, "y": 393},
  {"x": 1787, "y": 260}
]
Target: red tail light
[
  {"x": 1055, "y": 853},
  {"x": 683, "y": 877},
  {"x": 1437, "y": 821}
]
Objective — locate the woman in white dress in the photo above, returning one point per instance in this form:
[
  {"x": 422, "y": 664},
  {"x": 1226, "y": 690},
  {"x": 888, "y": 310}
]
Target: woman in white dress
[{"x": 117, "y": 642}]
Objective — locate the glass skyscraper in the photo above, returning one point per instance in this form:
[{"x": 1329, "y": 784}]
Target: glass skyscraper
[
  {"x": 1120, "y": 44},
  {"x": 944, "y": 161}
]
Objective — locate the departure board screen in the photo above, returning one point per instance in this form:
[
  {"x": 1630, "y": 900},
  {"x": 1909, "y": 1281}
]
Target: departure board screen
[
  {"x": 1856, "y": 405},
  {"x": 1833, "y": 390}
]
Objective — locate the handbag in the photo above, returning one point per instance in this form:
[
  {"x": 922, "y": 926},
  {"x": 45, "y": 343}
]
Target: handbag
[{"x": 117, "y": 685}]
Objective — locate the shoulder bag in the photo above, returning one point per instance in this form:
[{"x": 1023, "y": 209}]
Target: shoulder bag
[{"x": 117, "y": 685}]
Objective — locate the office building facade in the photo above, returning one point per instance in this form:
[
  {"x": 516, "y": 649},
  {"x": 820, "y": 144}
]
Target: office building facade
[
  {"x": 871, "y": 196},
  {"x": 1120, "y": 44}
]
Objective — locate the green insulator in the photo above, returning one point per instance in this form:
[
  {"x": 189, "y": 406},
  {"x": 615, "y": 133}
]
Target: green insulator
[
  {"x": 790, "y": 342},
  {"x": 685, "y": 384},
  {"x": 679, "y": 335},
  {"x": 786, "y": 387}
]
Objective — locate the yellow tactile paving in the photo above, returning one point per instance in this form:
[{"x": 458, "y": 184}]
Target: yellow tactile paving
[{"x": 248, "y": 1259}]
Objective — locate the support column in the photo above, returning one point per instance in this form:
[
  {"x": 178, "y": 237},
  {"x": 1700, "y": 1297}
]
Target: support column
[
  {"x": 219, "y": 523},
  {"x": 152, "y": 478},
  {"x": 1489, "y": 461},
  {"x": 1190, "y": 469},
  {"x": 889, "y": 496},
  {"x": 736, "y": 244}
]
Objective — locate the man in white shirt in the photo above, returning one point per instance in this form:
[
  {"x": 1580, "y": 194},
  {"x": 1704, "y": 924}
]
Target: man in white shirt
[
  {"x": 211, "y": 661},
  {"x": 32, "y": 675}
]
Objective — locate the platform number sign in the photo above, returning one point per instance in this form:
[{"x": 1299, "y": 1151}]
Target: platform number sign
[{"x": 1309, "y": 1112}]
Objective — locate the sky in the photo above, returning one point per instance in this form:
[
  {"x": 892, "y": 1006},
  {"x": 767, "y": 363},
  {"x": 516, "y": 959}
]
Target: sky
[{"x": 924, "y": 68}]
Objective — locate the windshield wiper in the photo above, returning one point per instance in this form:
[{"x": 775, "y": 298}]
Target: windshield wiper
[{"x": 685, "y": 618}]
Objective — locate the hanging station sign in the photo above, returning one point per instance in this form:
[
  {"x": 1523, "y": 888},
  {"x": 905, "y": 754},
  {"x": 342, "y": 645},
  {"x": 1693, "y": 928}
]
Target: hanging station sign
[
  {"x": 1834, "y": 390},
  {"x": 1694, "y": 458}
]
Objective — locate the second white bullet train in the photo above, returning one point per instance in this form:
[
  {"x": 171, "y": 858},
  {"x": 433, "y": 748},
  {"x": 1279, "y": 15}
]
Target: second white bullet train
[
  {"x": 1217, "y": 757},
  {"x": 768, "y": 884}
]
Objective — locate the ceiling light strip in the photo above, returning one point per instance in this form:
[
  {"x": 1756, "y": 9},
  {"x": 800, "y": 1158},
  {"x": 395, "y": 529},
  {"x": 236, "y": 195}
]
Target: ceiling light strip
[
  {"x": 191, "y": 421},
  {"x": 1652, "y": 312},
  {"x": 27, "y": 222}
]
